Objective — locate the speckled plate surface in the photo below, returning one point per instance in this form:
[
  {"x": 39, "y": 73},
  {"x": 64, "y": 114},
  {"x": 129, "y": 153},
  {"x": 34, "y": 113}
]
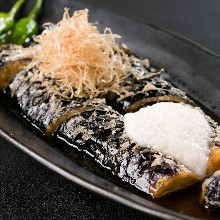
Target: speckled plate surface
[{"x": 191, "y": 67}]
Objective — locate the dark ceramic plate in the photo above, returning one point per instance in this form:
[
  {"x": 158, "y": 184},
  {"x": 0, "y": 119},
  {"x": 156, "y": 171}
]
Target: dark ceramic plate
[{"x": 191, "y": 67}]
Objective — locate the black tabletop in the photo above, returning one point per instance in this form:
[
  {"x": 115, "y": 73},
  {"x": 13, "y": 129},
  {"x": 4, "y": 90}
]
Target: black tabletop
[{"x": 28, "y": 190}]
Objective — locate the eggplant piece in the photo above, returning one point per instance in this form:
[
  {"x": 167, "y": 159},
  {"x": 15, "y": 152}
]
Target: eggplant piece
[
  {"x": 8, "y": 70},
  {"x": 214, "y": 157},
  {"x": 210, "y": 196},
  {"x": 214, "y": 160},
  {"x": 150, "y": 90},
  {"x": 94, "y": 127},
  {"x": 148, "y": 170},
  {"x": 34, "y": 101},
  {"x": 147, "y": 89},
  {"x": 101, "y": 134}
]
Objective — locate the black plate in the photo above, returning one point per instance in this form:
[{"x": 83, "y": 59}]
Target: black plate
[{"x": 191, "y": 67}]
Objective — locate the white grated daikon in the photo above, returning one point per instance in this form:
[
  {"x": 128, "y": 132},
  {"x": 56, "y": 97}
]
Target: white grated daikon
[{"x": 174, "y": 129}]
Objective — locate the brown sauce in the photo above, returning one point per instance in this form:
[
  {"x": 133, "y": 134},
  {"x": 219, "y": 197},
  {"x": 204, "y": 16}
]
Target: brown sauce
[
  {"x": 187, "y": 202},
  {"x": 184, "y": 202}
]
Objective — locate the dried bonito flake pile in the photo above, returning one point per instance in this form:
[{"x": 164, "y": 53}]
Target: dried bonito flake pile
[{"x": 83, "y": 61}]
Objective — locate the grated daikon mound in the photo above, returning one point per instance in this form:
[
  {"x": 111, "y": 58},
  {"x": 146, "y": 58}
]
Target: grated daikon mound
[{"x": 174, "y": 129}]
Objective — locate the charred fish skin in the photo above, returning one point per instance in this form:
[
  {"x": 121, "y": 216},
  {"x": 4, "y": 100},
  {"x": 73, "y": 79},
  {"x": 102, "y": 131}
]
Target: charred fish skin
[
  {"x": 210, "y": 195},
  {"x": 102, "y": 135}
]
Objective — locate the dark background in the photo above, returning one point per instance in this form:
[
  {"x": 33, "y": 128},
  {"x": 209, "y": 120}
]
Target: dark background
[
  {"x": 198, "y": 20},
  {"x": 28, "y": 190}
]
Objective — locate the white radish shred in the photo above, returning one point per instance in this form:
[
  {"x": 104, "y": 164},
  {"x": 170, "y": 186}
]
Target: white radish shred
[{"x": 174, "y": 129}]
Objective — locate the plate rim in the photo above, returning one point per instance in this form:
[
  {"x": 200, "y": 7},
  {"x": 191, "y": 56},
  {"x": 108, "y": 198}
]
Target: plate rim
[
  {"x": 167, "y": 214},
  {"x": 164, "y": 213}
]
